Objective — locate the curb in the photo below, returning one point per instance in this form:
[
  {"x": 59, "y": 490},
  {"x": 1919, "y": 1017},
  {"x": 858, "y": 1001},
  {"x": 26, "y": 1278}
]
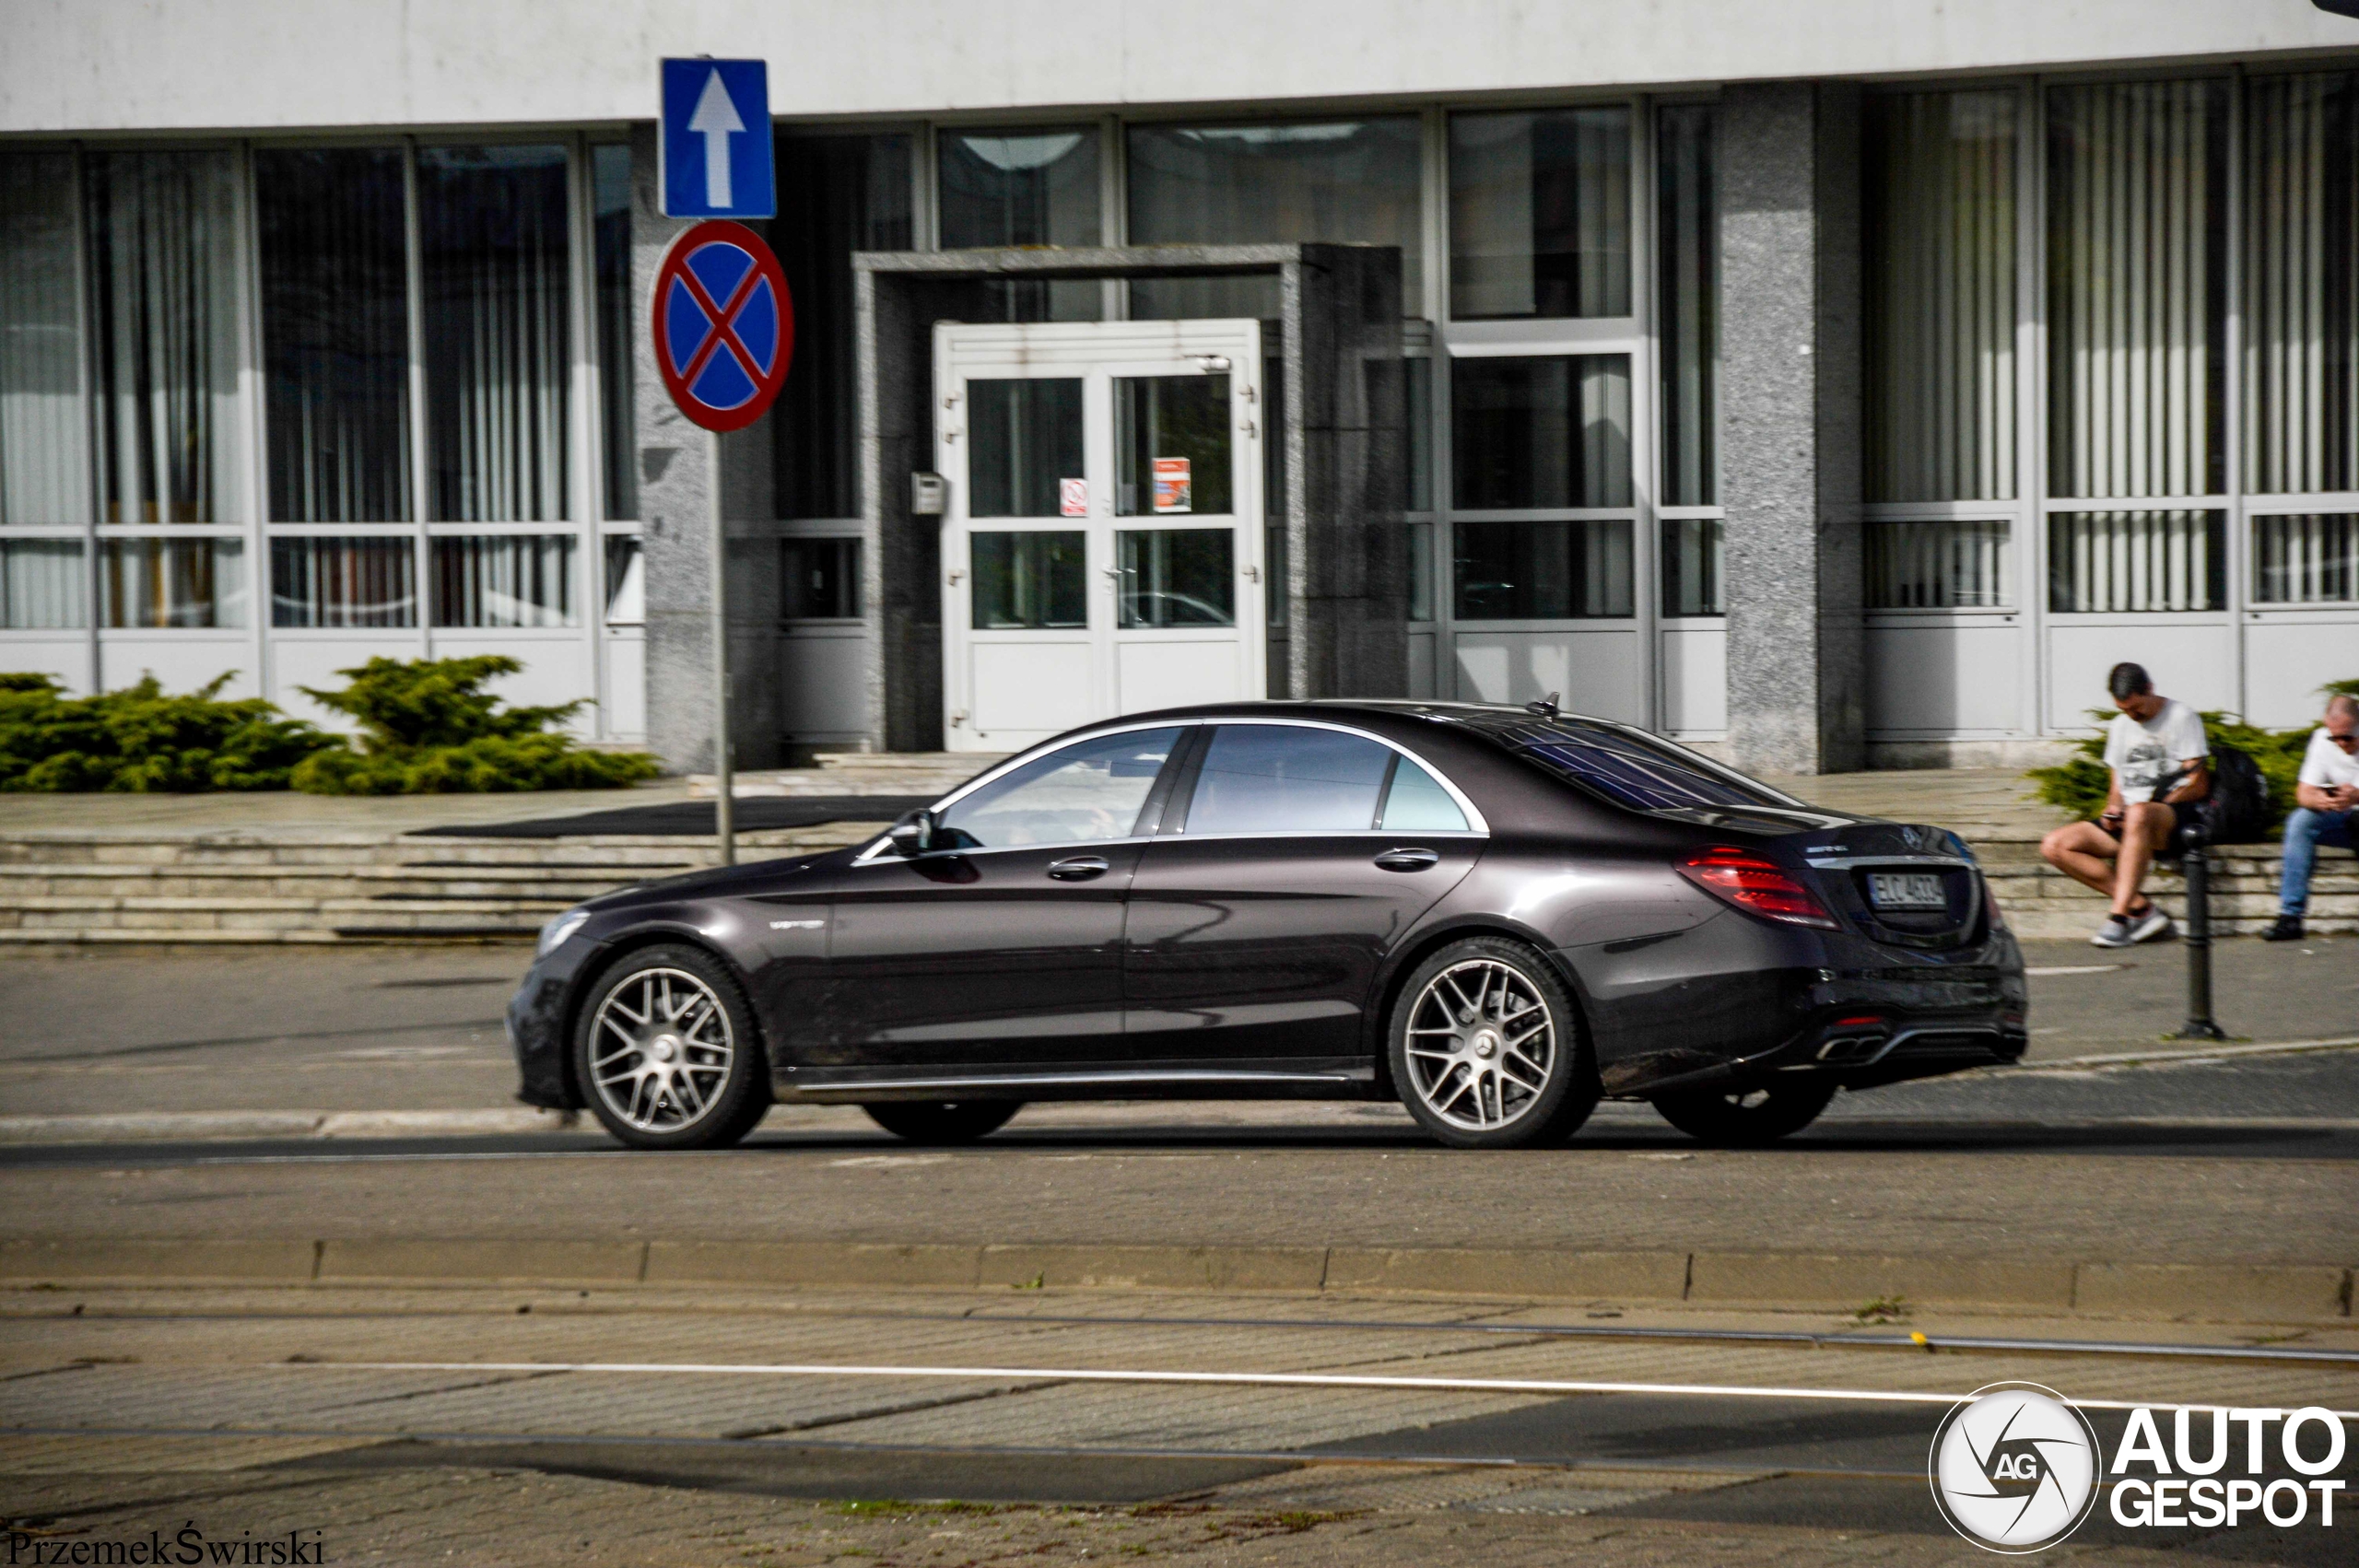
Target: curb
[
  {"x": 151, "y": 1125},
  {"x": 2242, "y": 1293}
]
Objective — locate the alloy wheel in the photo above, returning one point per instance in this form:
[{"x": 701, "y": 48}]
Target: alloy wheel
[
  {"x": 660, "y": 1049},
  {"x": 1481, "y": 1045}
]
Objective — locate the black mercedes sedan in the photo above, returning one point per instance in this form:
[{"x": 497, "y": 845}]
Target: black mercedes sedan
[{"x": 1499, "y": 915}]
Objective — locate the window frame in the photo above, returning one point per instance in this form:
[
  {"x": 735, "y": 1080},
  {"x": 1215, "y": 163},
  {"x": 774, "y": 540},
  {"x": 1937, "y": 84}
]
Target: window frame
[
  {"x": 1477, "y": 826},
  {"x": 881, "y": 849}
]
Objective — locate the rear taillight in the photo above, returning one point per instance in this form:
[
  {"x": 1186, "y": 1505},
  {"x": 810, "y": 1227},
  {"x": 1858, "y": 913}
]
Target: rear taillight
[
  {"x": 1758, "y": 885},
  {"x": 1998, "y": 922}
]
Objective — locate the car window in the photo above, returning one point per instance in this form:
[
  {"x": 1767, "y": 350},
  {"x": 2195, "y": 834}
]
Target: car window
[
  {"x": 1288, "y": 779},
  {"x": 1630, "y": 770},
  {"x": 1091, "y": 790},
  {"x": 1417, "y": 802}
]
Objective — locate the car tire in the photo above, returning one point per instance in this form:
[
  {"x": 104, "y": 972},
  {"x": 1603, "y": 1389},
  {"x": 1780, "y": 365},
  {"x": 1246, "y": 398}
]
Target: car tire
[
  {"x": 1472, "y": 1083},
  {"x": 667, "y": 1054},
  {"x": 1740, "y": 1118},
  {"x": 938, "y": 1122}
]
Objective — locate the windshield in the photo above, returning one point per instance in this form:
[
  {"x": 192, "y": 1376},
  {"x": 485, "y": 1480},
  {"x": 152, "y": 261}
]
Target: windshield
[{"x": 1629, "y": 767}]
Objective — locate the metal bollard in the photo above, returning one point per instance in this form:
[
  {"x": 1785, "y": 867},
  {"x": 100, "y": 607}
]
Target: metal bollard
[{"x": 2200, "y": 1025}]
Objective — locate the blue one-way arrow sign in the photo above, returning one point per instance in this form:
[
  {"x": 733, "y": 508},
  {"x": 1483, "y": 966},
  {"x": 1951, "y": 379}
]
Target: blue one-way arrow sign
[{"x": 716, "y": 140}]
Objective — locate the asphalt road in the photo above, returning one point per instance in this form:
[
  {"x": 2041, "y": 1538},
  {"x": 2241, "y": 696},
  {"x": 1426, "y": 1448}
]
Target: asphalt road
[
  {"x": 555, "y": 1427},
  {"x": 391, "y": 1028}
]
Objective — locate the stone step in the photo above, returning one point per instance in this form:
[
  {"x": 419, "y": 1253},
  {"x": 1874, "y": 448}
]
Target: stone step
[
  {"x": 856, "y": 773},
  {"x": 66, "y": 918},
  {"x": 299, "y": 886},
  {"x": 568, "y": 884},
  {"x": 636, "y": 855}
]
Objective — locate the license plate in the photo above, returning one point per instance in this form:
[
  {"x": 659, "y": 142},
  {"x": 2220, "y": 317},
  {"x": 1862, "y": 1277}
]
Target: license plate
[{"x": 1907, "y": 890}]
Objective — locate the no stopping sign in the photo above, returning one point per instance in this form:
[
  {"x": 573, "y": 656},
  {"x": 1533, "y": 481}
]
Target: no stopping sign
[{"x": 724, "y": 325}]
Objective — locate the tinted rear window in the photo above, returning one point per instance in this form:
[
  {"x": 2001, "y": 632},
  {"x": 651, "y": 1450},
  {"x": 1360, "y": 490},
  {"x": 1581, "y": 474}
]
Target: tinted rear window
[{"x": 1629, "y": 769}]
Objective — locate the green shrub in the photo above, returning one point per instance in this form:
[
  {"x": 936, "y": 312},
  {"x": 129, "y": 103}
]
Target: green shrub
[
  {"x": 2080, "y": 784},
  {"x": 143, "y": 738},
  {"x": 428, "y": 727}
]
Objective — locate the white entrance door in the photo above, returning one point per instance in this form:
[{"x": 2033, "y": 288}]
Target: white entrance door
[{"x": 1102, "y": 550}]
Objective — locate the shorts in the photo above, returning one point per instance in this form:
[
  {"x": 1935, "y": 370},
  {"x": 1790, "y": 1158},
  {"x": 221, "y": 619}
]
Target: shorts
[{"x": 2185, "y": 820}]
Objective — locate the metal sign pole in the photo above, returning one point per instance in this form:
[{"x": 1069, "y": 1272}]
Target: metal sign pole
[
  {"x": 724, "y": 823},
  {"x": 2200, "y": 1025}
]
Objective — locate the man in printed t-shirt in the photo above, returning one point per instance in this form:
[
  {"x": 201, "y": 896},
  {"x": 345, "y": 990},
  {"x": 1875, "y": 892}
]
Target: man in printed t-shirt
[
  {"x": 2161, "y": 766},
  {"x": 2325, "y": 810}
]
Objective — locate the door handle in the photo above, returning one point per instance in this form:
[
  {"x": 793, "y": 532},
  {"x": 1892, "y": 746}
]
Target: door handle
[
  {"x": 1081, "y": 868},
  {"x": 1407, "y": 860}
]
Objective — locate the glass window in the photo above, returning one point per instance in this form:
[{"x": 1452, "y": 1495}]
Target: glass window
[
  {"x": 1177, "y": 576},
  {"x": 1544, "y": 431},
  {"x": 1943, "y": 564},
  {"x": 1625, "y": 766},
  {"x": 1540, "y": 214},
  {"x": 1416, "y": 803},
  {"x": 835, "y": 194},
  {"x": 44, "y": 454},
  {"x": 1288, "y": 779},
  {"x": 1172, "y": 445},
  {"x": 41, "y": 586},
  {"x": 172, "y": 582},
  {"x": 1023, "y": 439},
  {"x": 343, "y": 582},
  {"x": 625, "y": 580},
  {"x": 164, "y": 327},
  {"x": 505, "y": 579},
  {"x": 2136, "y": 561},
  {"x": 2305, "y": 559},
  {"x": 610, "y": 178},
  {"x": 1348, "y": 179},
  {"x": 1688, "y": 251},
  {"x": 1032, "y": 188},
  {"x": 1691, "y": 566},
  {"x": 335, "y": 333},
  {"x": 2301, "y": 282},
  {"x": 820, "y": 578},
  {"x": 2137, "y": 292},
  {"x": 492, "y": 242},
  {"x": 1543, "y": 571},
  {"x": 1090, "y": 790},
  {"x": 1941, "y": 296},
  {"x": 1030, "y": 581}
]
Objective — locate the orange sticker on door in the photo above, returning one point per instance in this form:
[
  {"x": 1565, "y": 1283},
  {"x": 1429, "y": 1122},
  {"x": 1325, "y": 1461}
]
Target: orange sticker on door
[{"x": 1173, "y": 489}]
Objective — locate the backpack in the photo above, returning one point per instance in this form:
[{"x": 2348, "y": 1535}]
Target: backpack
[{"x": 2236, "y": 810}]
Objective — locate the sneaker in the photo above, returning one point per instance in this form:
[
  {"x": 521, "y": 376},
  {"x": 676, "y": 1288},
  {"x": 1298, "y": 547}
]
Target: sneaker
[
  {"x": 2115, "y": 932},
  {"x": 2150, "y": 924},
  {"x": 2287, "y": 928}
]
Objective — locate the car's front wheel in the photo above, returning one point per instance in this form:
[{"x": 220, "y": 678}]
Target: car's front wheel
[
  {"x": 668, "y": 1053},
  {"x": 1486, "y": 1048},
  {"x": 959, "y": 1121},
  {"x": 1742, "y": 1118}
]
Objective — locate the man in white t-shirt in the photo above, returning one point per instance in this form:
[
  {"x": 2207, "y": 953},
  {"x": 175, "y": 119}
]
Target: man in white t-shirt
[
  {"x": 2161, "y": 766},
  {"x": 2325, "y": 810}
]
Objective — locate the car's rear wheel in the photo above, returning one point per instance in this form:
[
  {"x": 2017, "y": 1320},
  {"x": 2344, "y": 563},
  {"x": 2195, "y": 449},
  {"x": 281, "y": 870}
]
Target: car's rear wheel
[
  {"x": 1738, "y": 1117},
  {"x": 1487, "y": 1050},
  {"x": 668, "y": 1053},
  {"x": 953, "y": 1121}
]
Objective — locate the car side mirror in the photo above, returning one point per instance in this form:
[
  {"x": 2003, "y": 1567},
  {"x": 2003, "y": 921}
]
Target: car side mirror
[{"x": 912, "y": 835}]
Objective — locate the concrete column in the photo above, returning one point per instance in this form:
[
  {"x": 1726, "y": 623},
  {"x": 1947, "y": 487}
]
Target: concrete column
[
  {"x": 1791, "y": 425},
  {"x": 684, "y": 472}
]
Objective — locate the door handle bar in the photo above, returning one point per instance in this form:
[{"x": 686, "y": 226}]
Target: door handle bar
[
  {"x": 1407, "y": 860},
  {"x": 1080, "y": 868}
]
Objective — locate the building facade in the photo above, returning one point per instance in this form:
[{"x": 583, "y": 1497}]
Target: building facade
[{"x": 1837, "y": 384}]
